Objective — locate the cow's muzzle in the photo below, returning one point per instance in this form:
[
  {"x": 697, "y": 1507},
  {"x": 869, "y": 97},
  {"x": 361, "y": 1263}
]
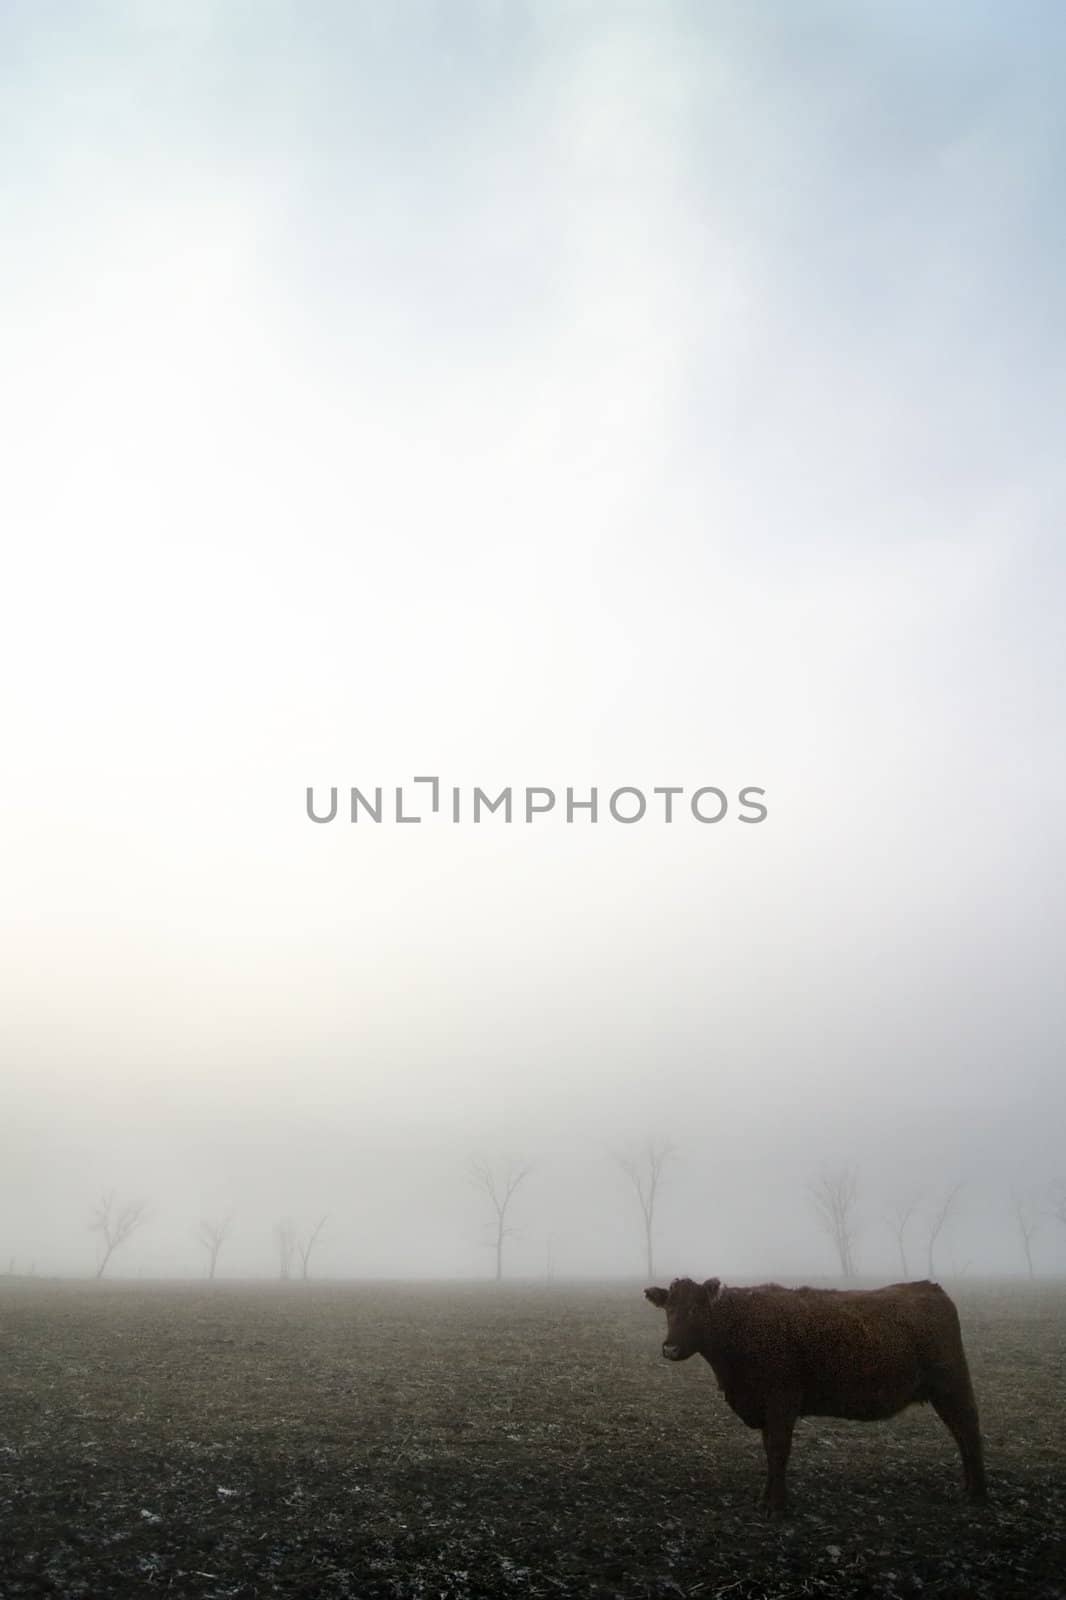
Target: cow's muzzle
[{"x": 672, "y": 1352}]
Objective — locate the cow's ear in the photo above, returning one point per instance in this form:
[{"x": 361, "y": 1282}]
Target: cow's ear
[
  {"x": 711, "y": 1287},
  {"x": 657, "y": 1297}
]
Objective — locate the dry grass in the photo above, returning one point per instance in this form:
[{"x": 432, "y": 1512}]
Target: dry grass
[{"x": 396, "y": 1440}]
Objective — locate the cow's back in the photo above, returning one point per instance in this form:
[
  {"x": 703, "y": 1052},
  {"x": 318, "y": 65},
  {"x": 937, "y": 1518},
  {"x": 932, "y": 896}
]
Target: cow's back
[
  {"x": 922, "y": 1310},
  {"x": 860, "y": 1354},
  {"x": 873, "y": 1352}
]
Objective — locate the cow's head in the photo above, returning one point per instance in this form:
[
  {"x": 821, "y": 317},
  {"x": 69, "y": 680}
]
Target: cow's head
[{"x": 686, "y": 1304}]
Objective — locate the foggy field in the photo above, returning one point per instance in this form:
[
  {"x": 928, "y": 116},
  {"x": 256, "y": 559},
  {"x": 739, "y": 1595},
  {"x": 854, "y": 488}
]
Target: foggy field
[
  {"x": 393, "y": 1440},
  {"x": 534, "y": 680}
]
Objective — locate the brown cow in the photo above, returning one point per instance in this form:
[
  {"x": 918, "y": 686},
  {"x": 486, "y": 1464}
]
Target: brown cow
[{"x": 780, "y": 1354}]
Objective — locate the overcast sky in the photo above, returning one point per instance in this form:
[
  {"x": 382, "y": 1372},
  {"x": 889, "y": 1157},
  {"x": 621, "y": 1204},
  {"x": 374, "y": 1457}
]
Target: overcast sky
[{"x": 550, "y": 394}]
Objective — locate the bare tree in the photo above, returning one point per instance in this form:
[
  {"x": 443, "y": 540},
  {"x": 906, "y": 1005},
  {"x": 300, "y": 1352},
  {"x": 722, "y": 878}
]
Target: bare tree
[
  {"x": 834, "y": 1197},
  {"x": 937, "y": 1220},
  {"x": 285, "y": 1245},
  {"x": 212, "y": 1233},
  {"x": 645, "y": 1173},
  {"x": 306, "y": 1245},
  {"x": 115, "y": 1224},
  {"x": 1026, "y": 1222},
  {"x": 500, "y": 1191},
  {"x": 898, "y": 1220}
]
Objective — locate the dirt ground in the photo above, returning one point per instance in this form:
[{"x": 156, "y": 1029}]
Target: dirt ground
[{"x": 443, "y": 1441}]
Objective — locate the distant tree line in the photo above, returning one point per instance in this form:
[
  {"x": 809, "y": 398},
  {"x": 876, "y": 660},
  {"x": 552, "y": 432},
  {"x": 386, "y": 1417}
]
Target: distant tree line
[
  {"x": 835, "y": 1198},
  {"x": 917, "y": 1224}
]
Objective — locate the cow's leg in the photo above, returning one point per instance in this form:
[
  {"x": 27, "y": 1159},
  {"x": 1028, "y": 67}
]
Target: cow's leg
[
  {"x": 777, "y": 1442},
  {"x": 957, "y": 1410}
]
